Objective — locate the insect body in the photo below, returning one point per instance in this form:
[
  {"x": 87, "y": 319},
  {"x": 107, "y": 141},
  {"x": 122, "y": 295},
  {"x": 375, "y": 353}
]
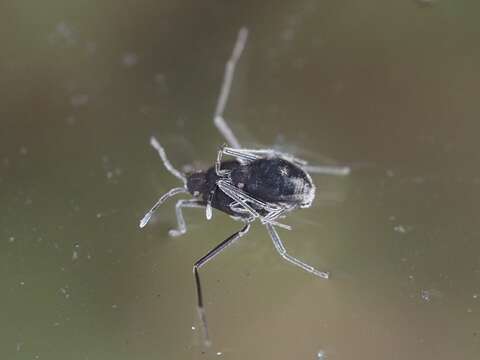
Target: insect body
[
  {"x": 253, "y": 188},
  {"x": 261, "y": 185}
]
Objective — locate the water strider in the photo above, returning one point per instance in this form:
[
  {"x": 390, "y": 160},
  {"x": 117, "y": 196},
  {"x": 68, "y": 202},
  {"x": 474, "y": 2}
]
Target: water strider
[{"x": 256, "y": 184}]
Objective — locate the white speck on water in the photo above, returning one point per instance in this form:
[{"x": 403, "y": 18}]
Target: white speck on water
[
  {"x": 11, "y": 239},
  {"x": 410, "y": 277},
  {"x": 78, "y": 100},
  {"x": 219, "y": 353},
  {"x": 193, "y": 328},
  {"x": 63, "y": 29},
  {"x": 402, "y": 229},
  {"x": 430, "y": 294},
  {"x": 426, "y": 296},
  {"x": 65, "y": 293},
  {"x": 19, "y": 346},
  {"x": 390, "y": 173},
  {"x": 23, "y": 150},
  {"x": 476, "y": 296},
  {"x": 321, "y": 355},
  {"x": 129, "y": 59},
  {"x": 114, "y": 306},
  {"x": 62, "y": 33},
  {"x": 469, "y": 310},
  {"x": 74, "y": 255}
]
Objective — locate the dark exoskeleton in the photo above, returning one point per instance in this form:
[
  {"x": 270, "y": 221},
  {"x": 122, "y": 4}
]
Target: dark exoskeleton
[{"x": 259, "y": 185}]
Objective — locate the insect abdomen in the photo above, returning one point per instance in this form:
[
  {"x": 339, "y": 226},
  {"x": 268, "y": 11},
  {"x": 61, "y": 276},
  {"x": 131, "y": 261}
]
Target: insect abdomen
[{"x": 275, "y": 180}]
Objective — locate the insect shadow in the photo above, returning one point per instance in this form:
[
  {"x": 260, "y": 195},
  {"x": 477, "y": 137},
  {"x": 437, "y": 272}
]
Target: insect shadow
[{"x": 256, "y": 184}]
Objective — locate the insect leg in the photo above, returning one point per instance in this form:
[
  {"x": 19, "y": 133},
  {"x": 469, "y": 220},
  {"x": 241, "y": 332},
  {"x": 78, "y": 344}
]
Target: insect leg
[
  {"x": 275, "y": 214},
  {"x": 183, "y": 203},
  {"x": 327, "y": 170},
  {"x": 273, "y": 211},
  {"x": 253, "y": 154},
  {"x": 283, "y": 253},
  {"x": 218, "y": 119},
  {"x": 236, "y": 194},
  {"x": 218, "y": 163},
  {"x": 172, "y": 192},
  {"x": 209, "y": 256},
  {"x": 156, "y": 145}
]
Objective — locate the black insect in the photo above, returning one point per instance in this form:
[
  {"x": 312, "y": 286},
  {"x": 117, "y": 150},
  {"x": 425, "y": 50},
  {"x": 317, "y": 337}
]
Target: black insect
[{"x": 259, "y": 185}]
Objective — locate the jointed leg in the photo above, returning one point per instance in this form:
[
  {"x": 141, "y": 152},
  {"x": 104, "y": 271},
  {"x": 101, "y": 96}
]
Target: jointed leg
[
  {"x": 244, "y": 200},
  {"x": 183, "y": 203},
  {"x": 275, "y": 214},
  {"x": 209, "y": 256},
  {"x": 242, "y": 197},
  {"x": 327, "y": 170},
  {"x": 239, "y": 154},
  {"x": 254, "y": 154},
  {"x": 247, "y": 154},
  {"x": 283, "y": 253},
  {"x": 225, "y": 90},
  {"x": 218, "y": 163}
]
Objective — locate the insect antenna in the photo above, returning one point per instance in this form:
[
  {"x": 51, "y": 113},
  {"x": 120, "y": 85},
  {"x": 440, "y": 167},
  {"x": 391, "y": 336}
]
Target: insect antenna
[
  {"x": 156, "y": 145},
  {"x": 160, "y": 201}
]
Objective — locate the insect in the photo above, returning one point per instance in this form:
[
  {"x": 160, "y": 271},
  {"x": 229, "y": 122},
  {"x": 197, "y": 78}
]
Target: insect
[{"x": 262, "y": 185}]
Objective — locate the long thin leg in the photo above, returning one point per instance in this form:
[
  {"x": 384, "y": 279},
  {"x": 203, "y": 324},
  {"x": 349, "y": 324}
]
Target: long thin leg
[
  {"x": 218, "y": 119},
  {"x": 240, "y": 155},
  {"x": 209, "y": 256},
  {"x": 247, "y": 154},
  {"x": 218, "y": 163},
  {"x": 172, "y": 192},
  {"x": 243, "y": 200},
  {"x": 243, "y": 197},
  {"x": 283, "y": 253},
  {"x": 254, "y": 154},
  {"x": 156, "y": 145},
  {"x": 183, "y": 203},
  {"x": 327, "y": 170}
]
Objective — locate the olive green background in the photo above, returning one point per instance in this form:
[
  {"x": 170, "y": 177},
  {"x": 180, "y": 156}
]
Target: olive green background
[{"x": 389, "y": 87}]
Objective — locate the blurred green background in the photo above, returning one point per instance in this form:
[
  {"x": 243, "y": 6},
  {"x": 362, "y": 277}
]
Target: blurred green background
[{"x": 390, "y": 88}]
